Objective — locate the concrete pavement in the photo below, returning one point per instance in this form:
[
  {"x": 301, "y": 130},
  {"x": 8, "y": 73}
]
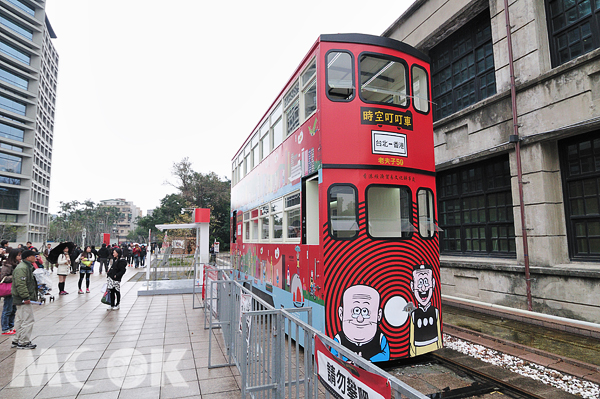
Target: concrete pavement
[{"x": 152, "y": 347}]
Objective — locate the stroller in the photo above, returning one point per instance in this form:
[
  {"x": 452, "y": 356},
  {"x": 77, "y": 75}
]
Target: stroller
[{"x": 42, "y": 276}]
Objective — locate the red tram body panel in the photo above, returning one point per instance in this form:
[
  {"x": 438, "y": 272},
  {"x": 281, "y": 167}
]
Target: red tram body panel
[{"x": 333, "y": 198}]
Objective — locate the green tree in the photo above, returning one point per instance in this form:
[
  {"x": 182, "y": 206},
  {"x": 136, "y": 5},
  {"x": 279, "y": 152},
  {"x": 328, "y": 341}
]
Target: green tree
[
  {"x": 74, "y": 216},
  {"x": 200, "y": 190},
  {"x": 8, "y": 232}
]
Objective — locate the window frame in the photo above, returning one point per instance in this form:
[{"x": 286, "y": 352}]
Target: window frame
[
  {"x": 447, "y": 47},
  {"x": 409, "y": 234},
  {"x": 428, "y": 99},
  {"x": 357, "y": 217},
  {"x": 304, "y": 87},
  {"x": 567, "y": 178},
  {"x": 553, "y": 36},
  {"x": 472, "y": 193},
  {"x": 388, "y": 58},
  {"x": 286, "y": 210},
  {"x": 352, "y": 72},
  {"x": 432, "y": 220},
  {"x": 293, "y": 101}
]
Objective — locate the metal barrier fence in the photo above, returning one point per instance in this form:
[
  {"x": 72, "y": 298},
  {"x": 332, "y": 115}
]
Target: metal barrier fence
[
  {"x": 273, "y": 348},
  {"x": 170, "y": 266}
]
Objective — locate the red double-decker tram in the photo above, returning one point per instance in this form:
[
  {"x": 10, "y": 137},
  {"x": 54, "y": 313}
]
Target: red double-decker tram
[{"x": 333, "y": 198}]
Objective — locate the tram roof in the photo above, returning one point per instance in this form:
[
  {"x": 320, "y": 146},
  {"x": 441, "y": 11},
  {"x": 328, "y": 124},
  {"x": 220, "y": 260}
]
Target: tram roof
[
  {"x": 358, "y": 38},
  {"x": 361, "y": 38}
]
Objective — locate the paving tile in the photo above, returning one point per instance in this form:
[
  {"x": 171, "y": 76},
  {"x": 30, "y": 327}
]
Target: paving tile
[
  {"x": 205, "y": 373},
  {"x": 105, "y": 385},
  {"x": 216, "y": 385},
  {"x": 140, "y": 393},
  {"x": 100, "y": 395},
  {"x": 19, "y": 392},
  {"x": 58, "y": 391},
  {"x": 172, "y": 392}
]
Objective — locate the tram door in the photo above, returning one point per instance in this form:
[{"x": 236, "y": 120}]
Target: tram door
[{"x": 312, "y": 211}]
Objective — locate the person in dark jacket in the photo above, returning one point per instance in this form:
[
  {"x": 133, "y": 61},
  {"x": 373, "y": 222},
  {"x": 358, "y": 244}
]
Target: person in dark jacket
[
  {"x": 103, "y": 255},
  {"x": 9, "y": 310},
  {"x": 114, "y": 276},
  {"x": 74, "y": 255},
  {"x": 24, "y": 290}
]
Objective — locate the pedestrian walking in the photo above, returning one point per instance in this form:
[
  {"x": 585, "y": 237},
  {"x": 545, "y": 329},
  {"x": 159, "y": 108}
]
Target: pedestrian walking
[
  {"x": 137, "y": 253},
  {"x": 103, "y": 257},
  {"x": 62, "y": 270},
  {"x": 143, "y": 254},
  {"x": 24, "y": 290},
  {"x": 6, "y": 277},
  {"x": 114, "y": 276},
  {"x": 86, "y": 259}
]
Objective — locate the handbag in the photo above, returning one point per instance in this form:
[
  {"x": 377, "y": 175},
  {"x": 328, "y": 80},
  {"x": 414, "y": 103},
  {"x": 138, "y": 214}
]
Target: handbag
[
  {"x": 5, "y": 288},
  {"x": 106, "y": 298}
]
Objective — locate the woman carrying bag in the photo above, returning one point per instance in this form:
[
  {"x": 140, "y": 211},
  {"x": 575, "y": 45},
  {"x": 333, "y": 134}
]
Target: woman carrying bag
[
  {"x": 86, "y": 259},
  {"x": 9, "y": 310},
  {"x": 114, "y": 275},
  {"x": 62, "y": 270}
]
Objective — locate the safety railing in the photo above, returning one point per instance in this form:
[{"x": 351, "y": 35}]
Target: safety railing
[{"x": 273, "y": 349}]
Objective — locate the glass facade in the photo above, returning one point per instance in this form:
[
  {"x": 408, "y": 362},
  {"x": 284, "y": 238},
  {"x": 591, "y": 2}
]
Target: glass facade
[
  {"x": 10, "y": 132},
  {"x": 10, "y": 163},
  {"x": 14, "y": 53},
  {"x": 12, "y": 105},
  {"x": 22, "y": 6},
  {"x": 9, "y": 198},
  {"x": 13, "y": 79},
  {"x": 15, "y": 27}
]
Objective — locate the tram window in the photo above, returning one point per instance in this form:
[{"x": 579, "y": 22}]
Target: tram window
[
  {"x": 264, "y": 223},
  {"x": 292, "y": 216},
  {"x": 247, "y": 226},
  {"x": 340, "y": 76},
  {"x": 264, "y": 141},
  {"x": 291, "y": 105},
  {"x": 383, "y": 80},
  {"x": 343, "y": 215},
  {"x": 255, "y": 153},
  {"x": 309, "y": 90},
  {"x": 277, "y": 219},
  {"x": 388, "y": 211},
  {"x": 420, "y": 89},
  {"x": 427, "y": 227},
  {"x": 254, "y": 225},
  {"x": 277, "y": 133}
]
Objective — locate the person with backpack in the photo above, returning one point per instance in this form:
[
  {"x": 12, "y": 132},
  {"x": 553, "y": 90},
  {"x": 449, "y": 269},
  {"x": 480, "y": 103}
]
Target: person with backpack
[{"x": 103, "y": 255}]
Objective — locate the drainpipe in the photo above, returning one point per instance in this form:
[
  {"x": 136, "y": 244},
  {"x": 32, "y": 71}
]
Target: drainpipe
[{"x": 516, "y": 139}]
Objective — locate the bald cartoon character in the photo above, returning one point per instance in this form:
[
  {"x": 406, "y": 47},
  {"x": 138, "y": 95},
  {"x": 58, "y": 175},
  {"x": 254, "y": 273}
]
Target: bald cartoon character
[
  {"x": 425, "y": 331},
  {"x": 360, "y": 316}
]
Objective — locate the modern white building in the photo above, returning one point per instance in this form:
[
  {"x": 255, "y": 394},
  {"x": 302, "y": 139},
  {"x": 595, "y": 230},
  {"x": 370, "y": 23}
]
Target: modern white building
[{"x": 28, "y": 83}]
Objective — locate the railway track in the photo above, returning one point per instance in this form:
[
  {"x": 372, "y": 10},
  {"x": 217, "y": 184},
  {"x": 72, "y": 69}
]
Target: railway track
[{"x": 448, "y": 374}]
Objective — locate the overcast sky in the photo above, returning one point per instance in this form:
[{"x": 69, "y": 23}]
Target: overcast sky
[{"x": 143, "y": 84}]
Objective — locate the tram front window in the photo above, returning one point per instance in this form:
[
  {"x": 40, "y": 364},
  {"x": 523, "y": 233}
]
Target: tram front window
[
  {"x": 388, "y": 212},
  {"x": 383, "y": 80},
  {"x": 342, "y": 211}
]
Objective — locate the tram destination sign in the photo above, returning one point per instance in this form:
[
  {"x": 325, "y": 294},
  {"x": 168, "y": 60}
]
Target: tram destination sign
[{"x": 388, "y": 117}]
